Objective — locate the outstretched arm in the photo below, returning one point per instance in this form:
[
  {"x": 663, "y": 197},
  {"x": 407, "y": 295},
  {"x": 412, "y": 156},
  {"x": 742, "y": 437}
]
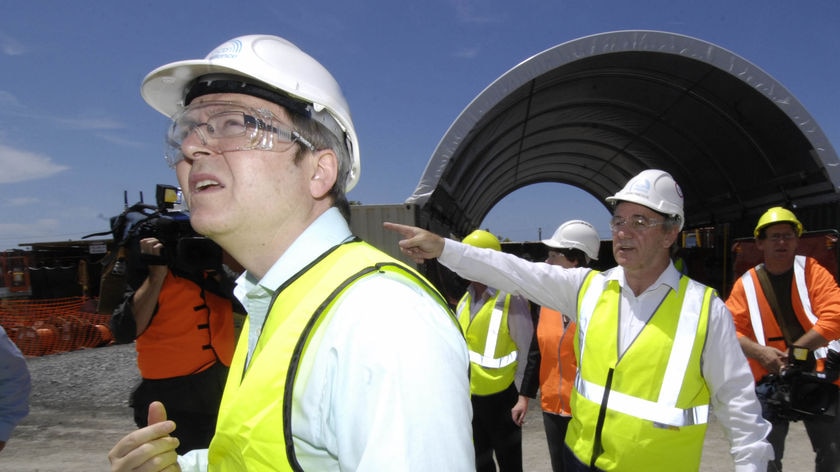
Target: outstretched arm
[{"x": 417, "y": 243}]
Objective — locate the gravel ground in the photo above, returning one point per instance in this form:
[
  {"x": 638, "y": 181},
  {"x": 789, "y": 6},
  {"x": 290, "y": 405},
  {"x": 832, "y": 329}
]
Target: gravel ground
[{"x": 79, "y": 410}]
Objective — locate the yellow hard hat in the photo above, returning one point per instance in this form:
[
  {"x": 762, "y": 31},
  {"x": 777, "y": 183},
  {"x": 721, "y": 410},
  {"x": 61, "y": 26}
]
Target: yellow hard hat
[
  {"x": 481, "y": 238},
  {"x": 777, "y": 215}
]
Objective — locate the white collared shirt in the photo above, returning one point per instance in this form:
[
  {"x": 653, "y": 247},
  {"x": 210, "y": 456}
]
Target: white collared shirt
[
  {"x": 724, "y": 366},
  {"x": 388, "y": 385}
]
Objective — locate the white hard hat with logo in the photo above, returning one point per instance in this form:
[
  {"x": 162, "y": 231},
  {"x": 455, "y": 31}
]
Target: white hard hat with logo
[
  {"x": 576, "y": 234},
  {"x": 655, "y": 189},
  {"x": 273, "y": 62}
]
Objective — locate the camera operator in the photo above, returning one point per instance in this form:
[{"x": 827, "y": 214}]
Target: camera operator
[
  {"x": 182, "y": 318},
  {"x": 786, "y": 301}
]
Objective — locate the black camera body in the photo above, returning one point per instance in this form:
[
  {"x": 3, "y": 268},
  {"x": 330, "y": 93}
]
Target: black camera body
[
  {"x": 799, "y": 392},
  {"x": 184, "y": 250}
]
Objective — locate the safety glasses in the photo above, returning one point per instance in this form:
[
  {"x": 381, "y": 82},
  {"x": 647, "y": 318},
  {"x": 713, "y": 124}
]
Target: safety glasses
[{"x": 226, "y": 127}]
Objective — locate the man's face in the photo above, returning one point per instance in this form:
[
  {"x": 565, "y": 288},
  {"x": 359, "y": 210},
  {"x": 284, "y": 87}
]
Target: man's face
[
  {"x": 779, "y": 245},
  {"x": 250, "y": 193},
  {"x": 639, "y": 246}
]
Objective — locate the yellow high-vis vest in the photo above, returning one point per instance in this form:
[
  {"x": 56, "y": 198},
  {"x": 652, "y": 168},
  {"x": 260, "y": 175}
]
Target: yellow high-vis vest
[
  {"x": 492, "y": 349},
  {"x": 254, "y": 430},
  {"x": 647, "y": 409}
]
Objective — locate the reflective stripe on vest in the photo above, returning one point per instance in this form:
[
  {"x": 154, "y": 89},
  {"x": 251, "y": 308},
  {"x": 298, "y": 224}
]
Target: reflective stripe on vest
[
  {"x": 488, "y": 358},
  {"x": 752, "y": 297},
  {"x": 664, "y": 410},
  {"x": 492, "y": 350},
  {"x": 658, "y": 412},
  {"x": 646, "y": 408}
]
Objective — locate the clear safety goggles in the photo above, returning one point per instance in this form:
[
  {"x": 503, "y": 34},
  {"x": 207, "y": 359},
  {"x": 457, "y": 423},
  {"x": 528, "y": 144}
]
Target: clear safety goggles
[
  {"x": 226, "y": 127},
  {"x": 637, "y": 223}
]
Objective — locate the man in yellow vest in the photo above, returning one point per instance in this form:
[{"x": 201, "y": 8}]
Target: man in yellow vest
[
  {"x": 348, "y": 359},
  {"x": 498, "y": 327},
  {"x": 789, "y": 300},
  {"x": 656, "y": 351}
]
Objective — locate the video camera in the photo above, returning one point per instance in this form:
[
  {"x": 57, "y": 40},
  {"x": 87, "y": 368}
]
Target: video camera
[
  {"x": 800, "y": 391},
  {"x": 169, "y": 222}
]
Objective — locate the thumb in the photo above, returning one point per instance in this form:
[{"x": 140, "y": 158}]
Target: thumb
[{"x": 157, "y": 413}]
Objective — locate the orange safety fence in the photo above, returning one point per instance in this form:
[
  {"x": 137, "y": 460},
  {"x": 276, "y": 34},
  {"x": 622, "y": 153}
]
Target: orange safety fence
[{"x": 40, "y": 327}]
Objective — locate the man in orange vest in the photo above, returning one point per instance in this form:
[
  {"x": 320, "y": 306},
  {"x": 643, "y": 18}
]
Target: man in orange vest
[
  {"x": 788, "y": 300},
  {"x": 182, "y": 322},
  {"x": 551, "y": 362}
]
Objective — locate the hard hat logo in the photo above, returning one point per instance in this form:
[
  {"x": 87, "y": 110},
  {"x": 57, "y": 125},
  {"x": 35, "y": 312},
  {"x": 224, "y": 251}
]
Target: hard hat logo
[
  {"x": 229, "y": 50},
  {"x": 641, "y": 188}
]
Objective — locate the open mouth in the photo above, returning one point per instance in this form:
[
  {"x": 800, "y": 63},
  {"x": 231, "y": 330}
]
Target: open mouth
[{"x": 203, "y": 185}]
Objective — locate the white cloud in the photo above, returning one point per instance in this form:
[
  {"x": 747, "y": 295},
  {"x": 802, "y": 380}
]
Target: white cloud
[
  {"x": 8, "y": 101},
  {"x": 82, "y": 123},
  {"x": 20, "y": 166},
  {"x": 471, "y": 11},
  {"x": 21, "y": 201},
  {"x": 467, "y": 52},
  {"x": 10, "y": 46},
  {"x": 16, "y": 233},
  {"x": 123, "y": 141}
]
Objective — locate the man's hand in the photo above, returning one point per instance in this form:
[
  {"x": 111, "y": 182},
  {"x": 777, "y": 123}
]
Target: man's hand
[
  {"x": 771, "y": 359},
  {"x": 151, "y": 252},
  {"x": 149, "y": 449},
  {"x": 519, "y": 410},
  {"x": 417, "y": 243}
]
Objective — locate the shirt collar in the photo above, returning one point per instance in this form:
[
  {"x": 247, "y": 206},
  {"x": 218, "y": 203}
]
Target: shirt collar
[
  {"x": 328, "y": 230},
  {"x": 669, "y": 277}
]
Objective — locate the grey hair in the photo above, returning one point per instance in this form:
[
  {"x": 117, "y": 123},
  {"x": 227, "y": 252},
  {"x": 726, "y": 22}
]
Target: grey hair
[{"x": 322, "y": 138}]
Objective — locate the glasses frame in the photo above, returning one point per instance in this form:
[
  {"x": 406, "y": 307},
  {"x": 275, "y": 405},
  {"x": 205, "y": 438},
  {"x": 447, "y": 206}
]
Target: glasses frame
[
  {"x": 776, "y": 237},
  {"x": 261, "y": 129},
  {"x": 638, "y": 223}
]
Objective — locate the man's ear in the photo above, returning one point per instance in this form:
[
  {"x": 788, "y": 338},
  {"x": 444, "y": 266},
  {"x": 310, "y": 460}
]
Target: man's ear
[
  {"x": 324, "y": 172},
  {"x": 672, "y": 237}
]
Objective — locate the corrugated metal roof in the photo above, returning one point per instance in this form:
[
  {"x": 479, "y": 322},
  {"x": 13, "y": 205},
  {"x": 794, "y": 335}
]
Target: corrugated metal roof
[{"x": 597, "y": 110}]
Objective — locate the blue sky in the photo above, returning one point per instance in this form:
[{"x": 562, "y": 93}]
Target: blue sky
[{"x": 75, "y": 133}]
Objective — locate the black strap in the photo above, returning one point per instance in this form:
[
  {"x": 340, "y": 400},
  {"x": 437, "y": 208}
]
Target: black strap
[
  {"x": 786, "y": 318},
  {"x": 598, "y": 447}
]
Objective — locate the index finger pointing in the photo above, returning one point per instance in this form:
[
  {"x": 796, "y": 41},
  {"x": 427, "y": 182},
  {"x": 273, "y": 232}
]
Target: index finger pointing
[{"x": 404, "y": 230}]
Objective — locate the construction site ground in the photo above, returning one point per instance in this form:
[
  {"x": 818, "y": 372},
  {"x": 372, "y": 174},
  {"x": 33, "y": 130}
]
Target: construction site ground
[{"x": 79, "y": 410}]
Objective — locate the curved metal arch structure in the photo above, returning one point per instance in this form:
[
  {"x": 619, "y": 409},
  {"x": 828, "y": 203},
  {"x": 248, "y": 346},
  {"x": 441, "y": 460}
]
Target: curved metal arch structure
[{"x": 597, "y": 110}]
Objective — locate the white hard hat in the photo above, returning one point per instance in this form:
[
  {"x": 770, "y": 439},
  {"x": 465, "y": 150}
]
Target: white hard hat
[
  {"x": 655, "y": 189},
  {"x": 576, "y": 234},
  {"x": 272, "y": 61}
]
